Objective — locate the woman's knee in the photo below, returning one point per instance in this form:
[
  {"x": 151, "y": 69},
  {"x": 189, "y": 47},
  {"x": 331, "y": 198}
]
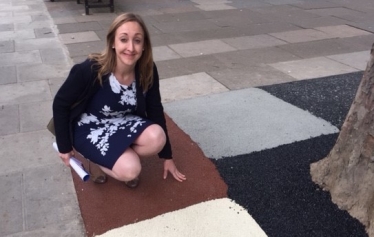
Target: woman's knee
[
  {"x": 156, "y": 136},
  {"x": 127, "y": 167}
]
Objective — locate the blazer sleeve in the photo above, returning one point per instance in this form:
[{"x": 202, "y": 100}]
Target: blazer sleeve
[
  {"x": 155, "y": 112},
  {"x": 69, "y": 93}
]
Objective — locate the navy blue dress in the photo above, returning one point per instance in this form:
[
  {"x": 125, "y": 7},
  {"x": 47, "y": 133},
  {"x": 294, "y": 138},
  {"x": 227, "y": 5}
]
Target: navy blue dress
[{"x": 108, "y": 126}]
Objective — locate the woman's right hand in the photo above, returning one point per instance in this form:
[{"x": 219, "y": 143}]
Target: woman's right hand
[{"x": 65, "y": 157}]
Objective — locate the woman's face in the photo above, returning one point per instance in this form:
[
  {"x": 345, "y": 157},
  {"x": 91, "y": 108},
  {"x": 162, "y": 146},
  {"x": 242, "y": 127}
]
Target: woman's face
[{"x": 128, "y": 44}]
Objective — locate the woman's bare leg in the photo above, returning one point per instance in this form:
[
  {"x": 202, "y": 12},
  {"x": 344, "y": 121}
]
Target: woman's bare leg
[{"x": 150, "y": 142}]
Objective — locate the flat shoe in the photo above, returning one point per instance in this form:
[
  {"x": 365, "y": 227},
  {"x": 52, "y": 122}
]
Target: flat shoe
[{"x": 132, "y": 183}]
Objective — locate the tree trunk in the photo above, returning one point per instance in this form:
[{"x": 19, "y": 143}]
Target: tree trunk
[{"x": 348, "y": 171}]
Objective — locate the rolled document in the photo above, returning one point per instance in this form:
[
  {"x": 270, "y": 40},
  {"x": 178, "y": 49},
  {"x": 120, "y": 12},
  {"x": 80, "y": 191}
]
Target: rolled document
[{"x": 76, "y": 165}]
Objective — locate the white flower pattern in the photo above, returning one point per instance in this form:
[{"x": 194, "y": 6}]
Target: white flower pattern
[{"x": 111, "y": 121}]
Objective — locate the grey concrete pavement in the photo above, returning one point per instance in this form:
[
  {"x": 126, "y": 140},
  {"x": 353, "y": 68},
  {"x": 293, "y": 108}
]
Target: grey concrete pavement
[{"x": 216, "y": 47}]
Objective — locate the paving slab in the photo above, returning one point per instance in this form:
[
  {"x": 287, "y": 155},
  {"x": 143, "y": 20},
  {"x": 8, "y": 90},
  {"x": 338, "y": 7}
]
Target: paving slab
[
  {"x": 193, "y": 25},
  {"x": 32, "y": 25},
  {"x": 85, "y": 48},
  {"x": 19, "y": 58},
  {"x": 251, "y": 76},
  {"x": 8, "y": 75},
  {"x": 7, "y": 46},
  {"x": 6, "y": 27},
  {"x": 31, "y": 72},
  {"x": 16, "y": 19},
  {"x": 298, "y": 36},
  {"x": 313, "y": 68},
  {"x": 201, "y": 48},
  {"x": 34, "y": 116},
  {"x": 162, "y": 53},
  {"x": 189, "y": 86},
  {"x": 214, "y": 7},
  {"x": 220, "y": 217},
  {"x": 10, "y": 121},
  {"x": 22, "y": 151},
  {"x": 55, "y": 56},
  {"x": 78, "y": 37},
  {"x": 24, "y": 92},
  {"x": 320, "y": 21},
  {"x": 44, "y": 32},
  {"x": 11, "y": 203},
  {"x": 357, "y": 60},
  {"x": 35, "y": 44},
  {"x": 22, "y": 34},
  {"x": 315, "y": 4},
  {"x": 254, "y": 115},
  {"x": 79, "y": 27},
  {"x": 342, "y": 31},
  {"x": 251, "y": 42},
  {"x": 55, "y": 84}
]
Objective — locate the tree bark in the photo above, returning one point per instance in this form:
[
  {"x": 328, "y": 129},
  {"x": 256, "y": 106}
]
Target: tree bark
[{"x": 348, "y": 171}]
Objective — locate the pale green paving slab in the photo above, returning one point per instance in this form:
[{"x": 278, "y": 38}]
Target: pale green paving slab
[
  {"x": 215, "y": 218},
  {"x": 162, "y": 53},
  {"x": 26, "y": 151},
  {"x": 252, "y": 42},
  {"x": 342, "y": 31},
  {"x": 19, "y": 58},
  {"x": 9, "y": 119},
  {"x": 357, "y": 60},
  {"x": 11, "y": 215},
  {"x": 189, "y": 86},
  {"x": 34, "y": 116},
  {"x": 78, "y": 37},
  {"x": 31, "y": 72},
  {"x": 297, "y": 36},
  {"x": 17, "y": 34},
  {"x": 313, "y": 68},
  {"x": 201, "y": 48},
  {"x": 24, "y": 92}
]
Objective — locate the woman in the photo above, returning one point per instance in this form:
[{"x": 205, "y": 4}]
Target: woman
[{"x": 109, "y": 108}]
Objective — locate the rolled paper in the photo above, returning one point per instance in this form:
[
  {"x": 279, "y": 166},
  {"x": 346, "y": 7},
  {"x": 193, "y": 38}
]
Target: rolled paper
[{"x": 76, "y": 165}]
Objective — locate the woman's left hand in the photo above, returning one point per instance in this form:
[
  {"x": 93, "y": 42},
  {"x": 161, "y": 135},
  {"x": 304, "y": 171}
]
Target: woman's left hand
[{"x": 169, "y": 166}]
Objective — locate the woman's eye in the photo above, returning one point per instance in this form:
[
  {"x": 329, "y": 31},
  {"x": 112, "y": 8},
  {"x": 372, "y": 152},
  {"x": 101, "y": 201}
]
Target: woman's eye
[
  {"x": 138, "y": 41},
  {"x": 124, "y": 40}
]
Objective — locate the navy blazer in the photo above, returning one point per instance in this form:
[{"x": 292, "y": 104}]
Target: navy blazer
[{"x": 73, "y": 96}]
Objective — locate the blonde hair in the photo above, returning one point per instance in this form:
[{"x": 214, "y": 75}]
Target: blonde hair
[{"x": 106, "y": 60}]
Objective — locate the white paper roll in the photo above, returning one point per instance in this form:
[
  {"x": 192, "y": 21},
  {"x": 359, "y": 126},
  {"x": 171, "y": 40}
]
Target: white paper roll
[{"x": 76, "y": 165}]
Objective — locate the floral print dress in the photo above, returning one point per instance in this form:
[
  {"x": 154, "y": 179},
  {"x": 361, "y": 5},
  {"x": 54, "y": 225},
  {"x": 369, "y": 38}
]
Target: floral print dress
[{"x": 108, "y": 126}]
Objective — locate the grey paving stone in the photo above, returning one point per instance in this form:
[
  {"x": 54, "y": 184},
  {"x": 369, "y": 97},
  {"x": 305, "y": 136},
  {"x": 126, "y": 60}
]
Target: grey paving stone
[
  {"x": 201, "y": 48},
  {"x": 11, "y": 186},
  {"x": 342, "y": 31},
  {"x": 70, "y": 228},
  {"x": 6, "y": 8},
  {"x": 168, "y": 27},
  {"x": 313, "y": 68},
  {"x": 252, "y": 76},
  {"x": 63, "y": 19},
  {"x": 368, "y": 26},
  {"x": 162, "y": 53},
  {"x": 357, "y": 60},
  {"x": 45, "y": 32},
  {"x": 39, "y": 43},
  {"x": 251, "y": 42},
  {"x": 9, "y": 119},
  {"x": 240, "y": 59},
  {"x": 320, "y": 48},
  {"x": 84, "y": 49},
  {"x": 55, "y": 84},
  {"x": 7, "y": 46},
  {"x": 315, "y": 4},
  {"x": 18, "y": 58},
  {"x": 238, "y": 21},
  {"x": 298, "y": 36},
  {"x": 32, "y": 25},
  {"x": 79, "y": 37},
  {"x": 180, "y": 17},
  {"x": 185, "y": 66},
  {"x": 320, "y": 21},
  {"x": 94, "y": 17},
  {"x": 41, "y": 17},
  {"x": 360, "y": 42},
  {"x": 189, "y": 86},
  {"x": 6, "y": 27},
  {"x": 79, "y": 27},
  {"x": 24, "y": 92},
  {"x": 55, "y": 56},
  {"x": 340, "y": 12},
  {"x": 42, "y": 71},
  {"x": 102, "y": 34},
  {"x": 18, "y": 34},
  {"x": 8, "y": 75},
  {"x": 282, "y": 2},
  {"x": 34, "y": 116},
  {"x": 49, "y": 196},
  {"x": 16, "y": 19},
  {"x": 273, "y": 123},
  {"x": 248, "y": 4},
  {"x": 214, "y": 7},
  {"x": 27, "y": 151}
]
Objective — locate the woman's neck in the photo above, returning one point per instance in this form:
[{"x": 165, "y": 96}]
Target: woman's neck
[{"x": 125, "y": 76}]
